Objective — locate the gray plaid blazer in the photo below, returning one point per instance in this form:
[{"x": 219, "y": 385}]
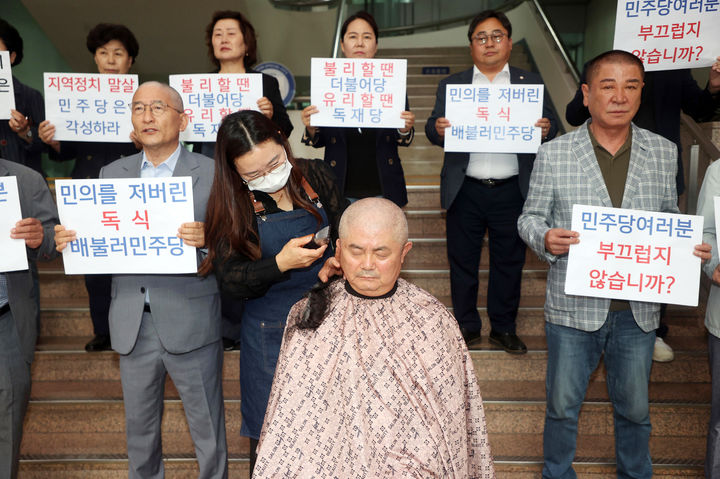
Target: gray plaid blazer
[{"x": 566, "y": 173}]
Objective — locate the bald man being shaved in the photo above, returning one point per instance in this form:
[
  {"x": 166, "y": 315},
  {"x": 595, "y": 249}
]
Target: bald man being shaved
[{"x": 374, "y": 378}]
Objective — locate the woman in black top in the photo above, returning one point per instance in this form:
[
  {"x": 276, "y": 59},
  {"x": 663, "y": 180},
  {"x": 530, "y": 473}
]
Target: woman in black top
[
  {"x": 114, "y": 49},
  {"x": 264, "y": 207},
  {"x": 232, "y": 47},
  {"x": 365, "y": 160}
]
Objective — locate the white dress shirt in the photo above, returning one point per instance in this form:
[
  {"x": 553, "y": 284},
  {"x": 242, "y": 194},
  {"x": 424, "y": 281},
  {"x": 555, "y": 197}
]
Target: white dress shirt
[
  {"x": 492, "y": 165},
  {"x": 163, "y": 170}
]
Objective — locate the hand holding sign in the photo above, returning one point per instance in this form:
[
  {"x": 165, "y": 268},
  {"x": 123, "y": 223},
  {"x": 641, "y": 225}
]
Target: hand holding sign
[
  {"x": 30, "y": 230},
  {"x": 558, "y": 240},
  {"x": 714, "y": 81}
]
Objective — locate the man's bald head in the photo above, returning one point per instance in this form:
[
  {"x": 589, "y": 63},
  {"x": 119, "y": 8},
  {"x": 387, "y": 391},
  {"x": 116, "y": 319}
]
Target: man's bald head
[
  {"x": 174, "y": 98},
  {"x": 372, "y": 245},
  {"x": 375, "y": 213}
]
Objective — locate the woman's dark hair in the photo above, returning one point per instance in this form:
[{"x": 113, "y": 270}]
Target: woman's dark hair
[
  {"x": 362, "y": 16},
  {"x": 12, "y": 40},
  {"x": 107, "y": 32},
  {"x": 319, "y": 298},
  {"x": 230, "y": 218},
  {"x": 248, "y": 33},
  {"x": 484, "y": 15}
]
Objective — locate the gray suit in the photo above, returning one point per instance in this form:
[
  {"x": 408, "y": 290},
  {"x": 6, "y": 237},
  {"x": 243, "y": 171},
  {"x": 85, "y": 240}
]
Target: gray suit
[
  {"x": 706, "y": 208},
  {"x": 180, "y": 336},
  {"x": 567, "y": 173},
  {"x": 18, "y": 328}
]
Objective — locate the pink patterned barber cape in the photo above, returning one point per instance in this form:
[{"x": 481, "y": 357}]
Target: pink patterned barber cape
[{"x": 385, "y": 387}]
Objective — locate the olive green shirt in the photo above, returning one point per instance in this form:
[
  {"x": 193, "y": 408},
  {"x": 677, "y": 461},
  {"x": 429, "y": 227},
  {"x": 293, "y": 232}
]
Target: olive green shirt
[{"x": 614, "y": 169}]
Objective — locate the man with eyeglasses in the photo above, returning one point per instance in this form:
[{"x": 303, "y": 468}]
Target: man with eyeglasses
[
  {"x": 167, "y": 323},
  {"x": 485, "y": 192}
]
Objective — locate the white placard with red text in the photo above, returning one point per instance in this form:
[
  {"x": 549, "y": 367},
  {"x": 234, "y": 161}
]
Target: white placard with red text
[
  {"x": 358, "y": 92},
  {"x": 669, "y": 34},
  {"x": 635, "y": 255},
  {"x": 14, "y": 255},
  {"x": 127, "y": 225},
  {"x": 210, "y": 97},
  {"x": 7, "y": 93},
  {"x": 493, "y": 118},
  {"x": 90, "y": 106}
]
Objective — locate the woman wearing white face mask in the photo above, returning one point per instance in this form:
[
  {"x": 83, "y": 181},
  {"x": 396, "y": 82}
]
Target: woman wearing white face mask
[{"x": 263, "y": 210}]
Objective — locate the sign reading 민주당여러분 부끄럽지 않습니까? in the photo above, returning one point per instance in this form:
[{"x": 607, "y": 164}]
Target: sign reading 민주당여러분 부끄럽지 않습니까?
[
  {"x": 635, "y": 255},
  {"x": 127, "y": 225},
  {"x": 669, "y": 34}
]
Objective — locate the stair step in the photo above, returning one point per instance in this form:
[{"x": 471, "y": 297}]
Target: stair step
[
  {"x": 61, "y": 429},
  {"x": 437, "y": 282},
  {"x": 88, "y": 467},
  {"x": 431, "y": 253},
  {"x": 532, "y": 469},
  {"x": 67, "y": 372},
  {"x": 678, "y": 431},
  {"x": 184, "y": 468}
]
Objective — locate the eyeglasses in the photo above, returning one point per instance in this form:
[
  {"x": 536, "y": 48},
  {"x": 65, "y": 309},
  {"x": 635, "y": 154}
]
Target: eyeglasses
[
  {"x": 482, "y": 39},
  {"x": 157, "y": 108},
  {"x": 274, "y": 165}
]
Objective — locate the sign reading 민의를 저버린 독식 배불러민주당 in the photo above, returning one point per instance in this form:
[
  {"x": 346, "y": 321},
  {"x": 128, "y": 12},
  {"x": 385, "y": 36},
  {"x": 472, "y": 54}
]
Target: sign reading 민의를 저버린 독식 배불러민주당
[
  {"x": 669, "y": 35},
  {"x": 493, "y": 118},
  {"x": 127, "y": 225}
]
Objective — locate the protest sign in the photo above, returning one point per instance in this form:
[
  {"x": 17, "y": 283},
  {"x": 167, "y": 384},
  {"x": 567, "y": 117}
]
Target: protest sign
[
  {"x": 7, "y": 93},
  {"x": 493, "y": 118},
  {"x": 635, "y": 255},
  {"x": 14, "y": 256},
  {"x": 90, "y": 106},
  {"x": 126, "y": 225},
  {"x": 669, "y": 34},
  {"x": 358, "y": 92},
  {"x": 208, "y": 98}
]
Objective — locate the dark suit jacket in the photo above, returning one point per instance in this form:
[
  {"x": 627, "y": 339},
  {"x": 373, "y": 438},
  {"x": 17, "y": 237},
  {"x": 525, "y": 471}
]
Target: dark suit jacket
[
  {"x": 185, "y": 307},
  {"x": 673, "y": 91},
  {"x": 455, "y": 164},
  {"x": 35, "y": 202},
  {"x": 392, "y": 178}
]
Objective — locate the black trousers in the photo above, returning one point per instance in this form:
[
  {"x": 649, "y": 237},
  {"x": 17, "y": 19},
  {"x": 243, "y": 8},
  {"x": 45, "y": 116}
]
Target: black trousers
[
  {"x": 477, "y": 209},
  {"x": 98, "y": 288}
]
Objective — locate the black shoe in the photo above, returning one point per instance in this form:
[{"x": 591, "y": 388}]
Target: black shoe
[
  {"x": 472, "y": 338},
  {"x": 230, "y": 344},
  {"x": 509, "y": 342},
  {"x": 101, "y": 342}
]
